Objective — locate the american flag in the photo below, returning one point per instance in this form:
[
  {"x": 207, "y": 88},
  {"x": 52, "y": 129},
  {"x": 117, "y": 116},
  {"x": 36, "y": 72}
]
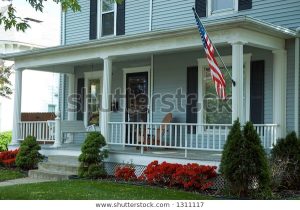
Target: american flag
[{"x": 215, "y": 72}]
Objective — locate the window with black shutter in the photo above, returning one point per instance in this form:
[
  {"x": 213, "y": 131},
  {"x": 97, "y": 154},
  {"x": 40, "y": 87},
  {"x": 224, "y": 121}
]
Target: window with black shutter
[
  {"x": 245, "y": 4},
  {"x": 112, "y": 18},
  {"x": 93, "y": 19},
  {"x": 192, "y": 94}
]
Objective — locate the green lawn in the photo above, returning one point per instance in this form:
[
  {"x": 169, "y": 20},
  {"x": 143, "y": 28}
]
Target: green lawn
[
  {"x": 92, "y": 190},
  {"x": 8, "y": 174}
]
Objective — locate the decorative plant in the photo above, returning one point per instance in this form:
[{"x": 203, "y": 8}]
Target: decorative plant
[
  {"x": 126, "y": 173},
  {"x": 189, "y": 176},
  {"x": 244, "y": 163},
  {"x": 91, "y": 158},
  {"x": 286, "y": 153},
  {"x": 8, "y": 158},
  {"x": 29, "y": 156},
  {"x": 5, "y": 139}
]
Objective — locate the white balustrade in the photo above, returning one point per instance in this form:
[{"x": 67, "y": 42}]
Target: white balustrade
[
  {"x": 180, "y": 135},
  {"x": 42, "y": 130}
]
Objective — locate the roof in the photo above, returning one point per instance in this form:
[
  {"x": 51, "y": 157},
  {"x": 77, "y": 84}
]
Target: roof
[{"x": 211, "y": 25}]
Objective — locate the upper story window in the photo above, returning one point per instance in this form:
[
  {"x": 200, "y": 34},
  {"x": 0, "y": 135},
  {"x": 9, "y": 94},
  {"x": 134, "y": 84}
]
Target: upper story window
[
  {"x": 108, "y": 13},
  {"x": 216, "y": 7}
]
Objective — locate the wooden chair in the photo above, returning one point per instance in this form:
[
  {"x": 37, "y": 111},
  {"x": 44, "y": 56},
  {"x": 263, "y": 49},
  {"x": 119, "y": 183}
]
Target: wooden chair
[{"x": 160, "y": 132}]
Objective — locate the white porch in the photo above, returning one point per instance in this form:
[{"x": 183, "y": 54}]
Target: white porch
[{"x": 187, "y": 138}]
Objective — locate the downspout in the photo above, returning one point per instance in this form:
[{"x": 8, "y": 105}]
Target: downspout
[
  {"x": 297, "y": 81},
  {"x": 63, "y": 27}
]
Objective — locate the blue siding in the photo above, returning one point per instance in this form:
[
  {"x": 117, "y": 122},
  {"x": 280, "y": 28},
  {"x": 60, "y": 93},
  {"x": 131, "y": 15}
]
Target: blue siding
[
  {"x": 137, "y": 15},
  {"x": 172, "y": 13},
  {"x": 78, "y": 24},
  {"x": 280, "y": 12},
  {"x": 290, "y": 86},
  {"x": 177, "y": 13}
]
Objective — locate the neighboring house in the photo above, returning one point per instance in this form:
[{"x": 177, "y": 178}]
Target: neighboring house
[
  {"x": 145, "y": 58},
  {"x": 42, "y": 94}
]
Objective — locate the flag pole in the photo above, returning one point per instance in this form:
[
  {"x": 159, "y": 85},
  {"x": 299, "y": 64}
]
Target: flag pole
[{"x": 233, "y": 82}]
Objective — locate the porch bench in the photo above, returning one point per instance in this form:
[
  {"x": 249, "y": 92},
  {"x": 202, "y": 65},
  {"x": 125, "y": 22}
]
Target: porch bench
[{"x": 72, "y": 127}]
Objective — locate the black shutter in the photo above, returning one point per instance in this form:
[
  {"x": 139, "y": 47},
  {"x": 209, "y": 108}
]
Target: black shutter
[
  {"x": 80, "y": 98},
  {"x": 93, "y": 19},
  {"x": 192, "y": 94},
  {"x": 121, "y": 18},
  {"x": 200, "y": 6},
  {"x": 245, "y": 4},
  {"x": 257, "y": 82}
]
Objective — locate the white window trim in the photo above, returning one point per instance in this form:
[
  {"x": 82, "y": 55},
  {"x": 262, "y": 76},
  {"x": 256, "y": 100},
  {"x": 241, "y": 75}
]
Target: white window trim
[
  {"x": 99, "y": 17},
  {"x": 222, "y": 12},
  {"x": 87, "y": 77},
  {"x": 202, "y": 65}
]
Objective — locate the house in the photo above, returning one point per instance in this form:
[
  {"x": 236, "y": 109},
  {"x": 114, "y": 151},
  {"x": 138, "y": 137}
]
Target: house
[
  {"x": 140, "y": 60},
  {"x": 13, "y": 41}
]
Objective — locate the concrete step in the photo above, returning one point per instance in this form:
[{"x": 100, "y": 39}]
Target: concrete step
[
  {"x": 56, "y": 168},
  {"x": 63, "y": 160},
  {"x": 49, "y": 175},
  {"x": 59, "y": 167}
]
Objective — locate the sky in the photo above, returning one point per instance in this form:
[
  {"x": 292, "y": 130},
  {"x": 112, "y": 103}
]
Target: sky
[{"x": 45, "y": 34}]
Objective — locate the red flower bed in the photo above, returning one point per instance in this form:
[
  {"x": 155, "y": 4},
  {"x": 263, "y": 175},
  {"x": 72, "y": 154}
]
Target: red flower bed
[
  {"x": 126, "y": 173},
  {"x": 8, "y": 158},
  {"x": 190, "y": 176}
]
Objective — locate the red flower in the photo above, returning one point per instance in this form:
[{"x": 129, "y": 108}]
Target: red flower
[
  {"x": 126, "y": 173},
  {"x": 190, "y": 176}
]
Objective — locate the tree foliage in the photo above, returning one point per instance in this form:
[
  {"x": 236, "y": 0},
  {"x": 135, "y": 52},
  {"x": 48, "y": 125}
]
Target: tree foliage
[
  {"x": 244, "y": 163},
  {"x": 92, "y": 156},
  {"x": 9, "y": 19},
  {"x": 29, "y": 156},
  {"x": 287, "y": 154},
  {"x": 5, "y": 84}
]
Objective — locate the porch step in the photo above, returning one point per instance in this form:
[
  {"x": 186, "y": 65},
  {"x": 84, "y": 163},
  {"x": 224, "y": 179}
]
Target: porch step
[{"x": 56, "y": 168}]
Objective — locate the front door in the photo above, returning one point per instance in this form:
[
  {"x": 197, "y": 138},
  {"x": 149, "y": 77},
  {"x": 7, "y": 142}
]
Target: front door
[
  {"x": 136, "y": 97},
  {"x": 136, "y": 101}
]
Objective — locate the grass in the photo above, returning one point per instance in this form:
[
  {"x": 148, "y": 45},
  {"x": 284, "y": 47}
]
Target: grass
[
  {"x": 93, "y": 190},
  {"x": 9, "y": 174}
]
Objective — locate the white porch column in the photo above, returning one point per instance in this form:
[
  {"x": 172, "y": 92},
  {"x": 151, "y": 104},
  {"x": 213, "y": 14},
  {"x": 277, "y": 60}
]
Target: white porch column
[
  {"x": 71, "y": 107},
  {"x": 279, "y": 90},
  {"x": 106, "y": 97},
  {"x": 238, "y": 108},
  {"x": 17, "y": 107}
]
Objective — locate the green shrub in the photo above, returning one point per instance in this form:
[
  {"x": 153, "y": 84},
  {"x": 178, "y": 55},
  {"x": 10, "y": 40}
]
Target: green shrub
[
  {"x": 5, "y": 139},
  {"x": 29, "y": 156},
  {"x": 286, "y": 154},
  {"x": 244, "y": 163},
  {"x": 91, "y": 158}
]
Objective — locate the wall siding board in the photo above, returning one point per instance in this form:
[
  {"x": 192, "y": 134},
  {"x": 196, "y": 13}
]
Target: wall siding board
[
  {"x": 277, "y": 12},
  {"x": 137, "y": 16},
  {"x": 78, "y": 24}
]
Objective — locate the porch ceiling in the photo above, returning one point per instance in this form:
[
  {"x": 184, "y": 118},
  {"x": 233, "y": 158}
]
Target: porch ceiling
[{"x": 222, "y": 31}]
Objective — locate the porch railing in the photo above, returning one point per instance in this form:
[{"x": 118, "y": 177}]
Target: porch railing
[
  {"x": 180, "y": 135},
  {"x": 42, "y": 130}
]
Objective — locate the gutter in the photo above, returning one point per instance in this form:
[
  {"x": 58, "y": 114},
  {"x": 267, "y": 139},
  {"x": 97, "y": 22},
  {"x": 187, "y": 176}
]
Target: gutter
[
  {"x": 211, "y": 24},
  {"x": 297, "y": 48}
]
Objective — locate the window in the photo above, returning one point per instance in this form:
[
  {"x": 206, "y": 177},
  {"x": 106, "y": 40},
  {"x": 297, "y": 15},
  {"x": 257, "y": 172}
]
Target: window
[
  {"x": 51, "y": 107},
  {"x": 93, "y": 101},
  {"x": 222, "y": 6},
  {"x": 216, "y": 111},
  {"x": 107, "y": 17}
]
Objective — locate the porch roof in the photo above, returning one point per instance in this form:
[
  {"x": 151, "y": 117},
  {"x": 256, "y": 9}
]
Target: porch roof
[{"x": 222, "y": 31}]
